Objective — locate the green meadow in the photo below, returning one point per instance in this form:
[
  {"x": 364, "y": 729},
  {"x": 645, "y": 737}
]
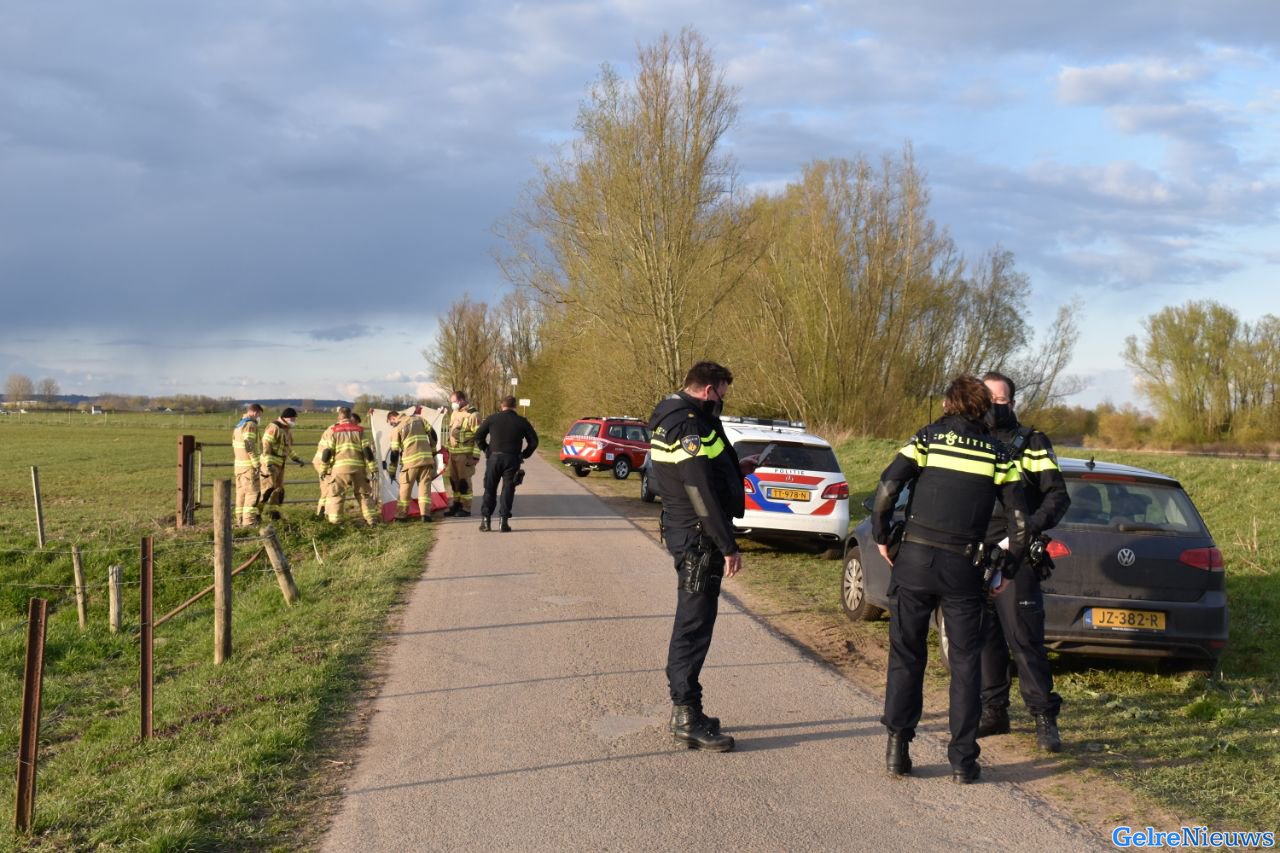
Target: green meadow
[{"x": 243, "y": 753}]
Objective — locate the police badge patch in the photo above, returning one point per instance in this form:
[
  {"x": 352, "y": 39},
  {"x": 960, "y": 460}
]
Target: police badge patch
[{"x": 691, "y": 444}]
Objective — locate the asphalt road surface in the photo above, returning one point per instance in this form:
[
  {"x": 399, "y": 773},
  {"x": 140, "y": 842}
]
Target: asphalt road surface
[{"x": 525, "y": 708}]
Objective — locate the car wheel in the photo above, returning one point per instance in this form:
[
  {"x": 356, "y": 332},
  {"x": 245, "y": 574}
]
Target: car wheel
[
  {"x": 581, "y": 470},
  {"x": 853, "y": 591},
  {"x": 621, "y": 468},
  {"x": 646, "y": 492},
  {"x": 944, "y": 643}
]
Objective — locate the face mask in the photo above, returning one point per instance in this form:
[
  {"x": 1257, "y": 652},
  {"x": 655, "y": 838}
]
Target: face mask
[
  {"x": 999, "y": 415},
  {"x": 713, "y": 407},
  {"x": 455, "y": 406},
  {"x": 289, "y": 422}
]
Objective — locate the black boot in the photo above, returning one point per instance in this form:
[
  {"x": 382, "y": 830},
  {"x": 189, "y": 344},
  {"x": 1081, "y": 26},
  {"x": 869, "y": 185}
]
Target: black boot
[
  {"x": 713, "y": 723},
  {"x": 897, "y": 758},
  {"x": 505, "y": 528},
  {"x": 454, "y": 509},
  {"x": 426, "y": 518},
  {"x": 966, "y": 775},
  {"x": 692, "y": 730},
  {"x": 1047, "y": 737},
  {"x": 994, "y": 721},
  {"x": 484, "y": 523}
]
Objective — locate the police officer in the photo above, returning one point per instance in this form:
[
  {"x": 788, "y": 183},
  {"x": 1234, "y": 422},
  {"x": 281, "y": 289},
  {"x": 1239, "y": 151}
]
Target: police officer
[
  {"x": 413, "y": 451},
  {"x": 1015, "y": 620},
  {"x": 500, "y": 438},
  {"x": 695, "y": 470},
  {"x": 956, "y": 470},
  {"x": 461, "y": 444}
]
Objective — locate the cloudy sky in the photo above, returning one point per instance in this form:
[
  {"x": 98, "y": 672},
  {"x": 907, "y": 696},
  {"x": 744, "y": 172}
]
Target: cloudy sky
[{"x": 266, "y": 198}]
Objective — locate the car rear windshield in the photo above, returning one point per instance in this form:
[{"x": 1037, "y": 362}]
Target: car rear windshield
[
  {"x": 1132, "y": 506},
  {"x": 584, "y": 428},
  {"x": 782, "y": 454}
]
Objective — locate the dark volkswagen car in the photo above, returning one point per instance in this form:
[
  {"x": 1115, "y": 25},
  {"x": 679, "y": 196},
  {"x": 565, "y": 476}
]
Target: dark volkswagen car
[{"x": 1137, "y": 572}]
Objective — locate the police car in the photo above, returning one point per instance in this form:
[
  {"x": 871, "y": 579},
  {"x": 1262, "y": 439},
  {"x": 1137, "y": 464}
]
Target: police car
[{"x": 794, "y": 486}]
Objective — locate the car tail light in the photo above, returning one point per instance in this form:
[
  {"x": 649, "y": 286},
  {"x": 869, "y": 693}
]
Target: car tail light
[
  {"x": 836, "y": 492},
  {"x": 1209, "y": 559},
  {"x": 747, "y": 487},
  {"x": 1056, "y": 549}
]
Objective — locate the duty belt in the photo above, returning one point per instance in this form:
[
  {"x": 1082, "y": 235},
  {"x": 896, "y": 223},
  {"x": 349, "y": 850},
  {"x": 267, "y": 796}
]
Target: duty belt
[{"x": 963, "y": 550}]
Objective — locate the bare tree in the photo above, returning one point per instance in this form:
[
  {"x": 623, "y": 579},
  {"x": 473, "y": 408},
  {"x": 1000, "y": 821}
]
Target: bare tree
[
  {"x": 639, "y": 235},
  {"x": 46, "y": 389},
  {"x": 467, "y": 351},
  {"x": 18, "y": 388}
]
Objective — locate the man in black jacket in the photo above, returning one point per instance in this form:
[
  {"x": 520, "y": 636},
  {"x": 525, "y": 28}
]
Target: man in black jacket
[
  {"x": 1015, "y": 620},
  {"x": 956, "y": 470},
  {"x": 500, "y": 438},
  {"x": 695, "y": 470}
]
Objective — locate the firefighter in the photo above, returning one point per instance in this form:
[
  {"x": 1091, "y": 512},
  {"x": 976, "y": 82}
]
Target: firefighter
[
  {"x": 461, "y": 444},
  {"x": 956, "y": 470},
  {"x": 413, "y": 450},
  {"x": 277, "y": 445},
  {"x": 244, "y": 445},
  {"x": 1015, "y": 621},
  {"x": 346, "y": 460},
  {"x": 696, "y": 472}
]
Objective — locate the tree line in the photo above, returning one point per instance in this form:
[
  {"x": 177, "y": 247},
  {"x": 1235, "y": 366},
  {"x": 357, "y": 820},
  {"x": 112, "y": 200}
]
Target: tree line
[{"x": 837, "y": 299}]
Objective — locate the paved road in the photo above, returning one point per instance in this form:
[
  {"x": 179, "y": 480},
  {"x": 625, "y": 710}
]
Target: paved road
[{"x": 525, "y": 708}]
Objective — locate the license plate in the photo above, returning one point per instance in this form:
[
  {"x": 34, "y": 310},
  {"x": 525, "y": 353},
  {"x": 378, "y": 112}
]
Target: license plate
[
  {"x": 1124, "y": 620},
  {"x": 787, "y": 494}
]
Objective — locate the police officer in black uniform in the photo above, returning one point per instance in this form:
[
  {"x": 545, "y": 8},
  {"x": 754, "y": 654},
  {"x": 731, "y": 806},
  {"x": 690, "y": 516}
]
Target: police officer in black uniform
[
  {"x": 1015, "y": 620},
  {"x": 956, "y": 469},
  {"x": 500, "y": 439},
  {"x": 695, "y": 471}
]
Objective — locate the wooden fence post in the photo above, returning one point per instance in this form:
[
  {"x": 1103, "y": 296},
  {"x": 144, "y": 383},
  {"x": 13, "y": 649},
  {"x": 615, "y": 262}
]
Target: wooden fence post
[
  {"x": 186, "y": 451},
  {"x": 280, "y": 563},
  {"x": 29, "y": 737},
  {"x": 35, "y": 487},
  {"x": 114, "y": 597},
  {"x": 147, "y": 674},
  {"x": 222, "y": 545},
  {"x": 81, "y": 605}
]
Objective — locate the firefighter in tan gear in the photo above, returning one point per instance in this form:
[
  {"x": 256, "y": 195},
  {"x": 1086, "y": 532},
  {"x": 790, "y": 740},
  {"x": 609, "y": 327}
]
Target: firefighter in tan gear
[
  {"x": 346, "y": 463},
  {"x": 464, "y": 420},
  {"x": 244, "y": 444},
  {"x": 277, "y": 446},
  {"x": 413, "y": 449}
]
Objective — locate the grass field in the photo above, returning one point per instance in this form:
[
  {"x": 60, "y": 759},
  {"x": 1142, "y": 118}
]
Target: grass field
[
  {"x": 1207, "y": 747},
  {"x": 239, "y": 760}
]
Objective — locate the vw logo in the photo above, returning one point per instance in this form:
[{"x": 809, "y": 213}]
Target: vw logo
[{"x": 1126, "y": 557}]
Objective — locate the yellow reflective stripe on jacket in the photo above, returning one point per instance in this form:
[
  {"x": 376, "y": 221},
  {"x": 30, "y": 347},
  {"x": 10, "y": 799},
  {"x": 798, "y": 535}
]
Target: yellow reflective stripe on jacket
[
  {"x": 984, "y": 468},
  {"x": 1038, "y": 461},
  {"x": 711, "y": 446},
  {"x": 462, "y": 431},
  {"x": 1007, "y": 472}
]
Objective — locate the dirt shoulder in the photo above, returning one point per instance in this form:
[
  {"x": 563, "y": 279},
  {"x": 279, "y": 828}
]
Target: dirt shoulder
[{"x": 1065, "y": 780}]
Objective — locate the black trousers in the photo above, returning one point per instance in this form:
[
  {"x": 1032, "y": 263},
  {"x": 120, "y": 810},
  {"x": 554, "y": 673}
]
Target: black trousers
[
  {"x": 1015, "y": 622},
  {"x": 925, "y": 578},
  {"x": 500, "y": 467},
  {"x": 694, "y": 621}
]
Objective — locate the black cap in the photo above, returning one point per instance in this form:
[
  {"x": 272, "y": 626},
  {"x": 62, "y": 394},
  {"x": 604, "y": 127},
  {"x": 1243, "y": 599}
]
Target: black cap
[{"x": 289, "y": 413}]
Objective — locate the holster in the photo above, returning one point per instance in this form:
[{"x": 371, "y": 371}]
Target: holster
[
  {"x": 697, "y": 574},
  {"x": 519, "y": 477}
]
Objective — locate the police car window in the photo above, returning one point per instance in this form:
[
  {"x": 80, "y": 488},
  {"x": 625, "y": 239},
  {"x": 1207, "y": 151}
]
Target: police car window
[
  {"x": 585, "y": 428},
  {"x": 788, "y": 455}
]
